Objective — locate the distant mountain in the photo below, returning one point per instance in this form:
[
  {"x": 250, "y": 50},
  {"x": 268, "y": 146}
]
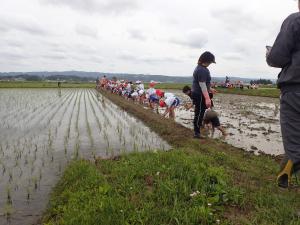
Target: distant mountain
[{"x": 90, "y": 76}]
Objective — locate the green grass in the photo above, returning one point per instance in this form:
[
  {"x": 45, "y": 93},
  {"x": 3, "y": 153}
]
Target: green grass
[
  {"x": 38, "y": 84},
  {"x": 235, "y": 187},
  {"x": 262, "y": 92},
  {"x": 149, "y": 188}
]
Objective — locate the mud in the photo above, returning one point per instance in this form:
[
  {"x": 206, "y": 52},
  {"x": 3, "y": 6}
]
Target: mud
[{"x": 252, "y": 123}]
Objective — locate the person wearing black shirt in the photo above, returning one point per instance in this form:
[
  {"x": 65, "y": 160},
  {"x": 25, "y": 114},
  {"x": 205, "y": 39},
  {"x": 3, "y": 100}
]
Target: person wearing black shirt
[{"x": 201, "y": 89}]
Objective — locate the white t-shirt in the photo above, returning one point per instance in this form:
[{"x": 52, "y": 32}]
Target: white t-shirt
[
  {"x": 170, "y": 100},
  {"x": 168, "y": 95},
  {"x": 151, "y": 91},
  {"x": 141, "y": 87}
]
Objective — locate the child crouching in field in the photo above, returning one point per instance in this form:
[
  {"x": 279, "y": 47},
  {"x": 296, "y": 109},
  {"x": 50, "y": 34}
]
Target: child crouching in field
[
  {"x": 211, "y": 119},
  {"x": 171, "y": 102}
]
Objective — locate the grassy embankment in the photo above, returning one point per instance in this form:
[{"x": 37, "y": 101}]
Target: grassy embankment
[
  {"x": 44, "y": 84},
  {"x": 230, "y": 186}
]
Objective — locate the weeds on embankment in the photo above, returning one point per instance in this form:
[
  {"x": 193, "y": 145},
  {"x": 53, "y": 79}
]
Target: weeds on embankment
[{"x": 207, "y": 182}]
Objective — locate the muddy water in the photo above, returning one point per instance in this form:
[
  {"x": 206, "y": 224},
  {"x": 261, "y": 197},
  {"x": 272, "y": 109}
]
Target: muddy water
[
  {"x": 252, "y": 123},
  {"x": 41, "y": 130}
]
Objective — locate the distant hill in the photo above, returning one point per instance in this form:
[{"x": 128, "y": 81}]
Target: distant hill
[{"x": 90, "y": 76}]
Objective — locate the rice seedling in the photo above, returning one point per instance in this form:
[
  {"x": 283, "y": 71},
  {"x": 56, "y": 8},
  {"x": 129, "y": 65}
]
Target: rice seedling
[
  {"x": 8, "y": 211},
  {"x": 76, "y": 152},
  {"x": 95, "y": 115},
  {"x": 8, "y": 195},
  {"x": 89, "y": 131},
  {"x": 10, "y": 176},
  {"x": 28, "y": 193},
  {"x": 66, "y": 108},
  {"x": 3, "y": 168}
]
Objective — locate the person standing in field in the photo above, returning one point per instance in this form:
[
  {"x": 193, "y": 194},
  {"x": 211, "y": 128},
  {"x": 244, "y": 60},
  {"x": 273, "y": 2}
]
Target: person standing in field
[
  {"x": 285, "y": 54},
  {"x": 201, "y": 89}
]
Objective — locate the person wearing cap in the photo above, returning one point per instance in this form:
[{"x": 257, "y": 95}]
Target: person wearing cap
[
  {"x": 285, "y": 54},
  {"x": 171, "y": 102},
  {"x": 201, "y": 88}
]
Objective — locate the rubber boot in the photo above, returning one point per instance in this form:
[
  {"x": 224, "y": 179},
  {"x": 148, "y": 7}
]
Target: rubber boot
[{"x": 285, "y": 176}]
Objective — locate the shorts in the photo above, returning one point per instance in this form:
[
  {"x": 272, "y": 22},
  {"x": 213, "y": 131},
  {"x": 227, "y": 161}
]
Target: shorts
[
  {"x": 215, "y": 122},
  {"x": 176, "y": 102},
  {"x": 154, "y": 99}
]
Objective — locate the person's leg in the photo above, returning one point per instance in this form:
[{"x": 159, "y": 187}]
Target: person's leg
[
  {"x": 196, "y": 116},
  {"x": 290, "y": 128},
  {"x": 199, "y": 113},
  {"x": 220, "y": 128},
  {"x": 171, "y": 111}
]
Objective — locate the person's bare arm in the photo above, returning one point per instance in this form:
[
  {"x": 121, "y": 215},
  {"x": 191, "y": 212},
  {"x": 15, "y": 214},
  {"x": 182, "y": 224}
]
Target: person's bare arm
[
  {"x": 166, "y": 112},
  {"x": 205, "y": 94}
]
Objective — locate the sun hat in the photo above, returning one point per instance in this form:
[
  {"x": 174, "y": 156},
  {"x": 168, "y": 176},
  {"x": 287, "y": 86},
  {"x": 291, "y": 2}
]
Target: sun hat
[
  {"x": 152, "y": 84},
  {"x": 162, "y": 103},
  {"x": 159, "y": 93}
]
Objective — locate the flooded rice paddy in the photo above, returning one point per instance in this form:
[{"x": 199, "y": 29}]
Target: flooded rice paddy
[
  {"x": 252, "y": 123},
  {"x": 41, "y": 130}
]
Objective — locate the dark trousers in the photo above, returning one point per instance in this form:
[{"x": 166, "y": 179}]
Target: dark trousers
[
  {"x": 290, "y": 124},
  {"x": 200, "y": 108}
]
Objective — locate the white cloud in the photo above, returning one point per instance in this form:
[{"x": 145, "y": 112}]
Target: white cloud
[
  {"x": 86, "y": 31},
  {"x": 22, "y": 24},
  {"x": 196, "y": 38},
  {"x": 137, "y": 34},
  {"x": 96, "y": 6},
  {"x": 233, "y": 56}
]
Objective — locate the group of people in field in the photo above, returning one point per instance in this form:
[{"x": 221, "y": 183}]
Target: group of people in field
[
  {"x": 136, "y": 92},
  {"x": 204, "y": 115}
]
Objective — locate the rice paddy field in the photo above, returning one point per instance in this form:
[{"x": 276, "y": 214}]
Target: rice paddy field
[
  {"x": 42, "y": 130},
  {"x": 251, "y": 122}
]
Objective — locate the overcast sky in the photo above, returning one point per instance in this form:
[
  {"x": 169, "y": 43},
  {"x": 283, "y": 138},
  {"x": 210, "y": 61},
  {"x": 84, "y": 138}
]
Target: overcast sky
[{"x": 139, "y": 36}]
